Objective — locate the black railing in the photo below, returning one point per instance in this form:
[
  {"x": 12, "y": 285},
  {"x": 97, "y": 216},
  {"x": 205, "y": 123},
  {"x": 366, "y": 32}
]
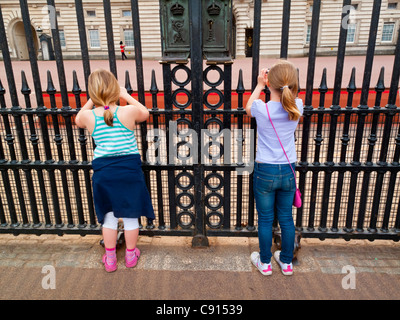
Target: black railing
[{"x": 348, "y": 156}]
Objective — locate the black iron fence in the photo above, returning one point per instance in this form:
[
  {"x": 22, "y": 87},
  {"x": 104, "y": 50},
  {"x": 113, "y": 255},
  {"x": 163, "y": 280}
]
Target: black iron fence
[{"x": 348, "y": 165}]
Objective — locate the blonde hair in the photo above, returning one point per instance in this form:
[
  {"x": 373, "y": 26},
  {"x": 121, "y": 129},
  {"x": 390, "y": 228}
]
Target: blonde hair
[
  {"x": 283, "y": 78},
  {"x": 104, "y": 90}
]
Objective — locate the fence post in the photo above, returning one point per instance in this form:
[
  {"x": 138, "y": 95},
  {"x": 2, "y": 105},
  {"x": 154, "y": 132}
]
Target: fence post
[{"x": 196, "y": 61}]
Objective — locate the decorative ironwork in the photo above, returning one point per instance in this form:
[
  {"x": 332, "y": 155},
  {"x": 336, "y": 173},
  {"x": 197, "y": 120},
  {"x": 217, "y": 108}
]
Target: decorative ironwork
[{"x": 348, "y": 155}]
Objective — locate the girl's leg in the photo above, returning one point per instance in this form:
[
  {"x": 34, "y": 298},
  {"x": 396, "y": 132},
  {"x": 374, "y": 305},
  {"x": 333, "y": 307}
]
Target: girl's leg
[
  {"x": 110, "y": 237},
  {"x": 131, "y": 232},
  {"x": 110, "y": 233},
  {"x": 265, "y": 209},
  {"x": 131, "y": 237},
  {"x": 284, "y": 202},
  {"x": 110, "y": 230},
  {"x": 264, "y": 195}
]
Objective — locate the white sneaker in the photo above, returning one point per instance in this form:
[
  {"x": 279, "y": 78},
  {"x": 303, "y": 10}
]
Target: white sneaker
[
  {"x": 264, "y": 268},
  {"x": 287, "y": 268}
]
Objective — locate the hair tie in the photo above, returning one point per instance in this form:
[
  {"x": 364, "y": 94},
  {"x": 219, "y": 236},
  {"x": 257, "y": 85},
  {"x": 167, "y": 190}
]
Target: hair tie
[
  {"x": 106, "y": 107},
  {"x": 284, "y": 87}
]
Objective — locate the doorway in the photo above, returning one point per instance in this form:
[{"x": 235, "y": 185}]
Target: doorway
[
  {"x": 249, "y": 42},
  {"x": 19, "y": 37}
]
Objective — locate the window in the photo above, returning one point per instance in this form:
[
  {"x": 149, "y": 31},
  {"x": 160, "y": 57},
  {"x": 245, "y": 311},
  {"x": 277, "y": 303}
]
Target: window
[
  {"x": 94, "y": 38},
  {"x": 91, "y": 13},
  {"x": 62, "y": 39},
  {"x": 308, "y": 33},
  {"x": 387, "y": 32},
  {"x": 128, "y": 36},
  {"x": 126, "y": 13},
  {"x": 351, "y": 33},
  {"x": 392, "y": 6}
]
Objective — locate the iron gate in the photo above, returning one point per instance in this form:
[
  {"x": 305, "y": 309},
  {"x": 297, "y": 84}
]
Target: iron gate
[{"x": 348, "y": 156}]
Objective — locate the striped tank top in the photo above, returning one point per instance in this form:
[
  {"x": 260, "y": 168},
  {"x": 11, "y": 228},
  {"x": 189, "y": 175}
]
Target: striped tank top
[{"x": 113, "y": 141}]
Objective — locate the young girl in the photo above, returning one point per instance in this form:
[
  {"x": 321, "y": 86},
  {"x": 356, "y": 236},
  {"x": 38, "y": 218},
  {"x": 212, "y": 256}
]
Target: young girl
[
  {"x": 274, "y": 181},
  {"x": 119, "y": 188}
]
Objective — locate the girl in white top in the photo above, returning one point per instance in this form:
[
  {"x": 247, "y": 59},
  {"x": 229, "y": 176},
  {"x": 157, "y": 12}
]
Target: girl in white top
[{"x": 274, "y": 182}]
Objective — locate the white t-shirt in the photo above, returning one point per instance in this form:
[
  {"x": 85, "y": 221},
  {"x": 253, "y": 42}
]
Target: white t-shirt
[{"x": 269, "y": 149}]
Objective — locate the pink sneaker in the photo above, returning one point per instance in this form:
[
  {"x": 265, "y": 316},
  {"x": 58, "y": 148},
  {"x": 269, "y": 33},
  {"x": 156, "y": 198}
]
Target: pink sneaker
[
  {"x": 264, "y": 268},
  {"x": 131, "y": 258},
  {"x": 110, "y": 264},
  {"x": 287, "y": 268}
]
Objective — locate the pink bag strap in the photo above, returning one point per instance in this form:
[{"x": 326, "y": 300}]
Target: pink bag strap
[{"x": 281, "y": 144}]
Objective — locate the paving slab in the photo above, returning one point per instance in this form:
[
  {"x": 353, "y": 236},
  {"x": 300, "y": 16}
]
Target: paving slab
[{"x": 170, "y": 269}]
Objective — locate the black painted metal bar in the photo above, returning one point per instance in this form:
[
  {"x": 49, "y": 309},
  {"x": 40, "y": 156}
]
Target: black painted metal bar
[
  {"x": 10, "y": 199},
  {"x": 80, "y": 17},
  {"x": 110, "y": 37},
  {"x": 285, "y": 29},
  {"x": 140, "y": 83},
  {"x": 168, "y": 117},
  {"x": 340, "y": 57},
  {"x": 240, "y": 90},
  {"x": 7, "y": 62},
  {"x": 391, "y": 105},
  {"x": 25, "y": 90},
  {"x": 196, "y": 62},
  {"x": 76, "y": 90},
  {"x": 58, "y": 139},
  {"x": 323, "y": 89},
  {"x": 372, "y": 139},
  {"x": 227, "y": 141},
  {"x": 379, "y": 88},
  {"x": 58, "y": 54},
  {"x": 318, "y": 142},
  {"x": 157, "y": 141},
  {"x": 138, "y": 50},
  {"x": 394, "y": 83},
  {"x": 36, "y": 79},
  {"x": 32, "y": 53},
  {"x": 351, "y": 88},
  {"x": 312, "y": 53},
  {"x": 369, "y": 59},
  {"x": 254, "y": 75},
  {"x": 4, "y": 171}
]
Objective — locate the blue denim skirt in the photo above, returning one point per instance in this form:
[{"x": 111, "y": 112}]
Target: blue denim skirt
[{"x": 119, "y": 186}]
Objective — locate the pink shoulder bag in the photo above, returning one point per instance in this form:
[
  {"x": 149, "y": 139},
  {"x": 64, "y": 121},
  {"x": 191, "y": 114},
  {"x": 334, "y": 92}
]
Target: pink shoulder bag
[{"x": 297, "y": 195}]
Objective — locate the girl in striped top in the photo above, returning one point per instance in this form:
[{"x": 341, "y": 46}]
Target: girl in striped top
[{"x": 119, "y": 188}]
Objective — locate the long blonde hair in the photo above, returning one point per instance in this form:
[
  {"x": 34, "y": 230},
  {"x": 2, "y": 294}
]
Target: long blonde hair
[
  {"x": 104, "y": 90},
  {"x": 283, "y": 78}
]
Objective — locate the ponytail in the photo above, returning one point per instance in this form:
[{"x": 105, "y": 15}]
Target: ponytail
[
  {"x": 104, "y": 91},
  {"x": 289, "y": 103},
  {"x": 108, "y": 116},
  {"x": 283, "y": 78}
]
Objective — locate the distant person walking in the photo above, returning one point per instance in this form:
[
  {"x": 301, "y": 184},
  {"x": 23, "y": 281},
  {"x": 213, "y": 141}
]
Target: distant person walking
[
  {"x": 119, "y": 187},
  {"x": 274, "y": 177},
  {"x": 122, "y": 46}
]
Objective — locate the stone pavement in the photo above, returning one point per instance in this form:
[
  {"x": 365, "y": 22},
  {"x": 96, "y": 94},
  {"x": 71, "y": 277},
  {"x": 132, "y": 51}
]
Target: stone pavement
[{"x": 170, "y": 269}]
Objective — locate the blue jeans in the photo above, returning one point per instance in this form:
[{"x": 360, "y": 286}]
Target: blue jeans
[{"x": 274, "y": 187}]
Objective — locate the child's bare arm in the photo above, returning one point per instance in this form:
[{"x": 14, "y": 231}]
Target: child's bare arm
[
  {"x": 261, "y": 83},
  {"x": 141, "y": 113},
  {"x": 80, "y": 119}
]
